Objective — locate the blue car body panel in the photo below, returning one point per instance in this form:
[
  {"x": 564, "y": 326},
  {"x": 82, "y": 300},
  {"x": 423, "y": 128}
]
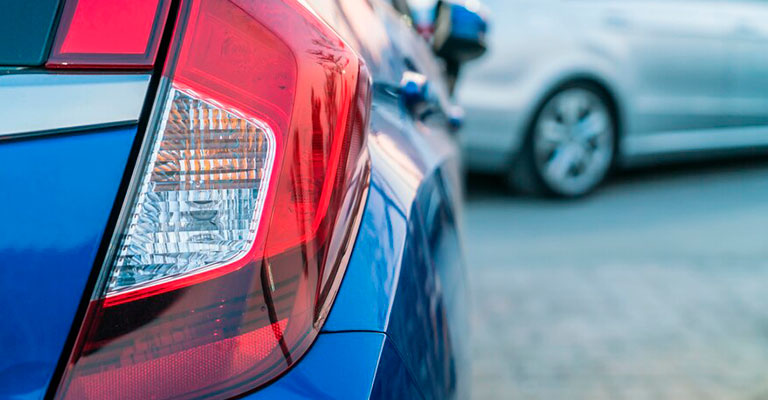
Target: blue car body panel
[
  {"x": 348, "y": 365},
  {"x": 406, "y": 274},
  {"x": 56, "y": 195},
  {"x": 393, "y": 380},
  {"x": 338, "y": 366}
]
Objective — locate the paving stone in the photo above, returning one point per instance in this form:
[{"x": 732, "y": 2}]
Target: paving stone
[{"x": 656, "y": 288}]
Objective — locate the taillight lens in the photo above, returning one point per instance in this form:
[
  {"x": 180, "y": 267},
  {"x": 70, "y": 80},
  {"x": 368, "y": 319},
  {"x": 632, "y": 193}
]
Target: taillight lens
[
  {"x": 108, "y": 33},
  {"x": 231, "y": 249}
]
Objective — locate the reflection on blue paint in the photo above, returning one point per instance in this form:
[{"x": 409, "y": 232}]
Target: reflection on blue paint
[{"x": 56, "y": 194}]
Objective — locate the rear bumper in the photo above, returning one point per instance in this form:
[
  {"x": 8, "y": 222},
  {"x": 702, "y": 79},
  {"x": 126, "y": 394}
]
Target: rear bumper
[{"x": 345, "y": 365}]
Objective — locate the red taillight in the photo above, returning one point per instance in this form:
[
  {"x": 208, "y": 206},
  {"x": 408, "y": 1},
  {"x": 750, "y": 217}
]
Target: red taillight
[
  {"x": 233, "y": 245},
  {"x": 108, "y": 33}
]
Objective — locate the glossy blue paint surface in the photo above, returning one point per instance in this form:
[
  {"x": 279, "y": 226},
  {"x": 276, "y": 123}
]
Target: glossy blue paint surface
[
  {"x": 393, "y": 380},
  {"x": 348, "y": 365},
  {"x": 406, "y": 278},
  {"x": 367, "y": 291},
  {"x": 338, "y": 366},
  {"x": 56, "y": 193},
  {"x": 406, "y": 275}
]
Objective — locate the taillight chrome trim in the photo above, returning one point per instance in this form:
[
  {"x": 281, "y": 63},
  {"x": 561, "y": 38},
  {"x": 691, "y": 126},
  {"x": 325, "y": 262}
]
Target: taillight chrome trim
[
  {"x": 47, "y": 103},
  {"x": 162, "y": 97}
]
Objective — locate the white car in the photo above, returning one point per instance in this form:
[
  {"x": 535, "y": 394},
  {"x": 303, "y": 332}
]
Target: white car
[{"x": 570, "y": 88}]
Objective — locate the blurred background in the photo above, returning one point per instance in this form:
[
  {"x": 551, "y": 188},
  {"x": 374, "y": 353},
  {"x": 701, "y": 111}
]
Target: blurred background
[{"x": 616, "y": 217}]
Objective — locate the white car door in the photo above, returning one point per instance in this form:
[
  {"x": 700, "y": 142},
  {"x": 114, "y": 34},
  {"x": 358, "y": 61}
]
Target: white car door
[{"x": 676, "y": 60}]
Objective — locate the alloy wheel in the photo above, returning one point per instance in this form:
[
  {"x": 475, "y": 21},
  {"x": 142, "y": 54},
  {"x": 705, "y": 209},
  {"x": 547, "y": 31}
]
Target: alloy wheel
[{"x": 573, "y": 141}]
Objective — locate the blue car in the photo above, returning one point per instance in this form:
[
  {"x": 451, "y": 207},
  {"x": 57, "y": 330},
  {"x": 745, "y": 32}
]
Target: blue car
[{"x": 229, "y": 199}]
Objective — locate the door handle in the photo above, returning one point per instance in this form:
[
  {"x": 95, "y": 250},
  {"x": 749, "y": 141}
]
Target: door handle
[
  {"x": 422, "y": 102},
  {"x": 456, "y": 118},
  {"x": 414, "y": 88}
]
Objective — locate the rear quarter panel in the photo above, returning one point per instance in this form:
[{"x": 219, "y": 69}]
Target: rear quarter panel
[{"x": 406, "y": 276}]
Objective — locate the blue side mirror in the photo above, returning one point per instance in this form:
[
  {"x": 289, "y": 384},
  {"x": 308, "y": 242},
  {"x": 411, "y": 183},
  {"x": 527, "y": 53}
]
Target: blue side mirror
[{"x": 460, "y": 27}]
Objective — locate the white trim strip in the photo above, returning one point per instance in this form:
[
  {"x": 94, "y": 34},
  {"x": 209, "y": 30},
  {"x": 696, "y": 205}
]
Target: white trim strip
[
  {"x": 32, "y": 103},
  {"x": 731, "y": 138}
]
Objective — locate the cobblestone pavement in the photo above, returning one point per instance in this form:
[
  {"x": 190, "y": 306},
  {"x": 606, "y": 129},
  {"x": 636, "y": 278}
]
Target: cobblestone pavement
[{"x": 654, "y": 288}]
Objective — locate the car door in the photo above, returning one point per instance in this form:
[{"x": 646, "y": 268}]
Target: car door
[{"x": 676, "y": 60}]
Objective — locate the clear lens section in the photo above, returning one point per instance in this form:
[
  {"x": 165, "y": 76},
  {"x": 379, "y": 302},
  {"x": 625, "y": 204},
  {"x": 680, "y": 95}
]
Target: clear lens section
[{"x": 200, "y": 200}]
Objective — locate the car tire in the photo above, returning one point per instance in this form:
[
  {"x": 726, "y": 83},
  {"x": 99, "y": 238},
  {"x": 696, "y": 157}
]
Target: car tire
[{"x": 570, "y": 144}]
